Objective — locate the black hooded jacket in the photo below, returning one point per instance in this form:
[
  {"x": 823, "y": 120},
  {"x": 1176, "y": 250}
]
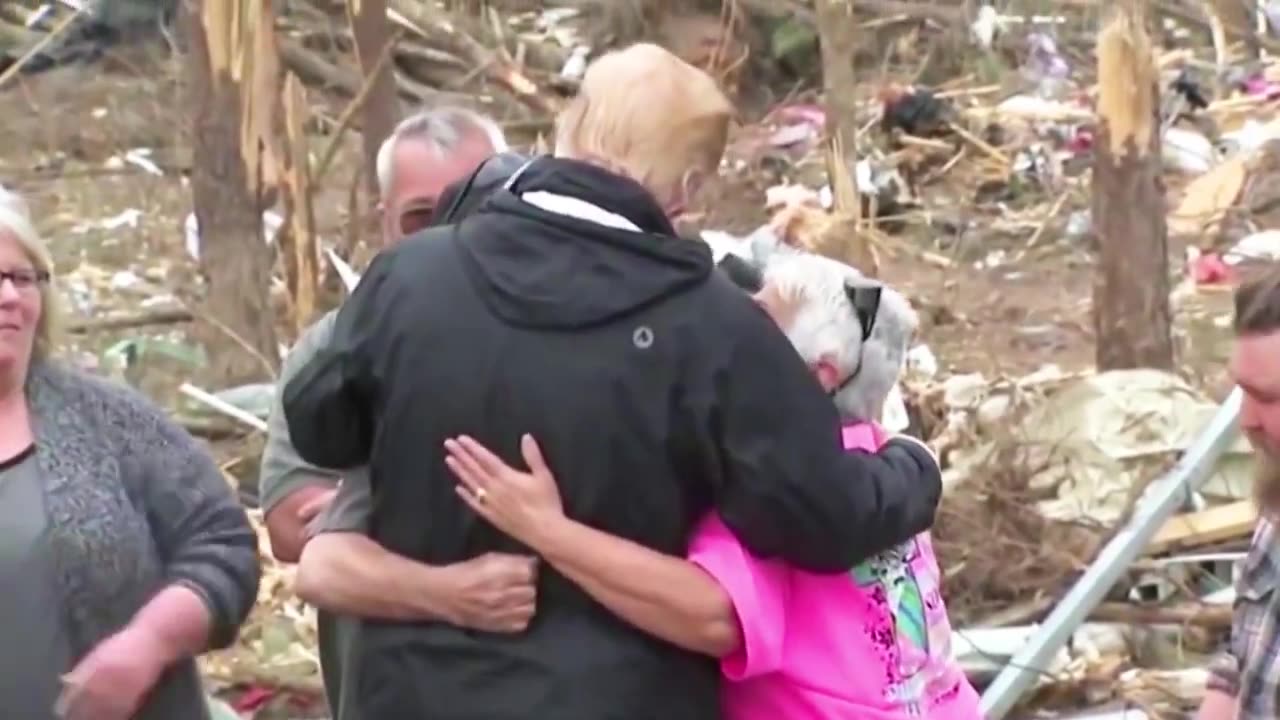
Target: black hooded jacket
[
  {"x": 657, "y": 390},
  {"x": 462, "y": 197}
]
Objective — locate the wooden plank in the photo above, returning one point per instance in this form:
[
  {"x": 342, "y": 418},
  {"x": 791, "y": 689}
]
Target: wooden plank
[{"x": 1216, "y": 524}]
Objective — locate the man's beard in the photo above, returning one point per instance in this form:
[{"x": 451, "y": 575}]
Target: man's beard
[{"x": 1266, "y": 478}]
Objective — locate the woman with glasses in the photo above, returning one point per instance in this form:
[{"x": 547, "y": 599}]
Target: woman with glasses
[{"x": 123, "y": 551}]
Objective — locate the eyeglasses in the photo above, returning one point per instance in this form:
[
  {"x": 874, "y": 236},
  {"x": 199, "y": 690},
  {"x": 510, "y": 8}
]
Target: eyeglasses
[
  {"x": 24, "y": 279},
  {"x": 416, "y": 218}
]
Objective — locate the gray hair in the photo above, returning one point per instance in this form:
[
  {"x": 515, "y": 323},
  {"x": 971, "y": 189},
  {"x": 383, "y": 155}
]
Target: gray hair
[
  {"x": 826, "y": 326},
  {"x": 442, "y": 128},
  {"x": 15, "y": 221}
]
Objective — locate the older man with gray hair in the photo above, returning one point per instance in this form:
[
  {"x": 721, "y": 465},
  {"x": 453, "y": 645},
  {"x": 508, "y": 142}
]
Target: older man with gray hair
[{"x": 425, "y": 154}]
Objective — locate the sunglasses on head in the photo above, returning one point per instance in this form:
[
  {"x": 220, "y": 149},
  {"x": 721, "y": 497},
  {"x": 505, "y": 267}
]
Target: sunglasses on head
[{"x": 866, "y": 304}]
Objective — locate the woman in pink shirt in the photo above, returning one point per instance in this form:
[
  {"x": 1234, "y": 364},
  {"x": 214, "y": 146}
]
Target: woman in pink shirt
[{"x": 870, "y": 644}]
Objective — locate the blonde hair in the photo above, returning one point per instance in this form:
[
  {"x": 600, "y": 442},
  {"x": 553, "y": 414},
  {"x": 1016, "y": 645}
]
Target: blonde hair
[
  {"x": 15, "y": 220},
  {"x": 646, "y": 113}
]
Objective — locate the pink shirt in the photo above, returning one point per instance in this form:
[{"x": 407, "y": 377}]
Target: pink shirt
[{"x": 871, "y": 644}]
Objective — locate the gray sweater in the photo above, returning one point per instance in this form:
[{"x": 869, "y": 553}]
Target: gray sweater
[{"x": 136, "y": 504}]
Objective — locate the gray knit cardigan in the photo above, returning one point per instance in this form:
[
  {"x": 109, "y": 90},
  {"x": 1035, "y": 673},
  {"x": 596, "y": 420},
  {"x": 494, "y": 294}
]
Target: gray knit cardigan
[{"x": 135, "y": 504}]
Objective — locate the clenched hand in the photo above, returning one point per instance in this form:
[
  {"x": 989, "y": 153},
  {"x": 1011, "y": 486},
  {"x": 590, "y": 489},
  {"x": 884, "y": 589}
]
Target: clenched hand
[{"x": 495, "y": 592}]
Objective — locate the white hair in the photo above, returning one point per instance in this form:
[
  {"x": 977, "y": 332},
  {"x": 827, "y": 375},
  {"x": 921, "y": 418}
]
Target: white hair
[
  {"x": 443, "y": 129},
  {"x": 826, "y": 326},
  {"x": 16, "y": 222}
]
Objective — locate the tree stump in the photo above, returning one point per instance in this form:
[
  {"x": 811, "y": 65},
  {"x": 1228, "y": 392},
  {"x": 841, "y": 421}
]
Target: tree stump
[{"x": 1132, "y": 317}]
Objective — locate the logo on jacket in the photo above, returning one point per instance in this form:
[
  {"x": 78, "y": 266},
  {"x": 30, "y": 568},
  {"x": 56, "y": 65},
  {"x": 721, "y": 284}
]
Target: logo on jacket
[{"x": 642, "y": 337}]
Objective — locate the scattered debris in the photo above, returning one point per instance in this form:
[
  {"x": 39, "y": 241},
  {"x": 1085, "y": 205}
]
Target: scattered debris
[{"x": 973, "y": 171}]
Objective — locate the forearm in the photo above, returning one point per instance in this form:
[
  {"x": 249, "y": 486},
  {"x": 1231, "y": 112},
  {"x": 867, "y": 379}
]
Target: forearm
[
  {"x": 349, "y": 573},
  {"x": 663, "y": 595},
  {"x": 1218, "y": 705},
  {"x": 180, "y": 619},
  {"x": 285, "y": 526},
  {"x": 288, "y": 537},
  {"x": 217, "y": 559},
  {"x": 1223, "y": 687}
]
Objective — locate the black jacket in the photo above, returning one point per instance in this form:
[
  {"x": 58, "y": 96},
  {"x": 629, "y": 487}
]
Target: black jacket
[
  {"x": 657, "y": 389},
  {"x": 462, "y": 197}
]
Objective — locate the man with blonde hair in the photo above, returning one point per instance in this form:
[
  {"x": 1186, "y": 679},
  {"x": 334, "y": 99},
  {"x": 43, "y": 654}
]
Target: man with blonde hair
[
  {"x": 565, "y": 307},
  {"x": 668, "y": 147}
]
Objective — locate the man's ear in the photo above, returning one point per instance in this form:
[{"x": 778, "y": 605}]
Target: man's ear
[
  {"x": 693, "y": 180},
  {"x": 690, "y": 185}
]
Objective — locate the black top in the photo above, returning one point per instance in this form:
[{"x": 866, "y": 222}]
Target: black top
[
  {"x": 462, "y": 197},
  {"x": 657, "y": 389}
]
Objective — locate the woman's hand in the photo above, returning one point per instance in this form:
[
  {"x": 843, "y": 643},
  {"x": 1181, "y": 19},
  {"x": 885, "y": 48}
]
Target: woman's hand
[
  {"x": 521, "y": 504},
  {"x": 112, "y": 681}
]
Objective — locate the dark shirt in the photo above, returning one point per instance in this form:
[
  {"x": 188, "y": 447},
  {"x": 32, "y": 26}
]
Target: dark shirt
[{"x": 35, "y": 652}]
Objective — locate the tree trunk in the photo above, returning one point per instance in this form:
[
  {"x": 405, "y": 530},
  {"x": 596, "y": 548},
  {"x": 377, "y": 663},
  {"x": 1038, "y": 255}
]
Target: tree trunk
[
  {"x": 469, "y": 8},
  {"x": 838, "y": 35},
  {"x": 1238, "y": 15},
  {"x": 301, "y": 253},
  {"x": 1132, "y": 317},
  {"x": 368, "y": 20},
  {"x": 235, "y": 260}
]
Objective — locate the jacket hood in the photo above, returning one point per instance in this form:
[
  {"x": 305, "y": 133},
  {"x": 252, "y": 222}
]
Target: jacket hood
[
  {"x": 464, "y": 196},
  {"x": 556, "y": 269}
]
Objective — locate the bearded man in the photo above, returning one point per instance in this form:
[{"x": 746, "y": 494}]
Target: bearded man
[{"x": 1244, "y": 682}]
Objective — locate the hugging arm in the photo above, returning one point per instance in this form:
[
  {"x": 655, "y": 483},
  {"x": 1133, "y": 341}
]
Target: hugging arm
[
  {"x": 344, "y": 570},
  {"x": 663, "y": 595},
  {"x": 787, "y": 489},
  {"x": 328, "y": 405},
  {"x": 290, "y": 489},
  {"x": 347, "y": 572}
]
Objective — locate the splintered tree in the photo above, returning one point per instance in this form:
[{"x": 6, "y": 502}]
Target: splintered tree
[
  {"x": 368, "y": 19},
  {"x": 1237, "y": 19},
  {"x": 838, "y": 28},
  {"x": 233, "y": 86},
  {"x": 1132, "y": 317}
]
